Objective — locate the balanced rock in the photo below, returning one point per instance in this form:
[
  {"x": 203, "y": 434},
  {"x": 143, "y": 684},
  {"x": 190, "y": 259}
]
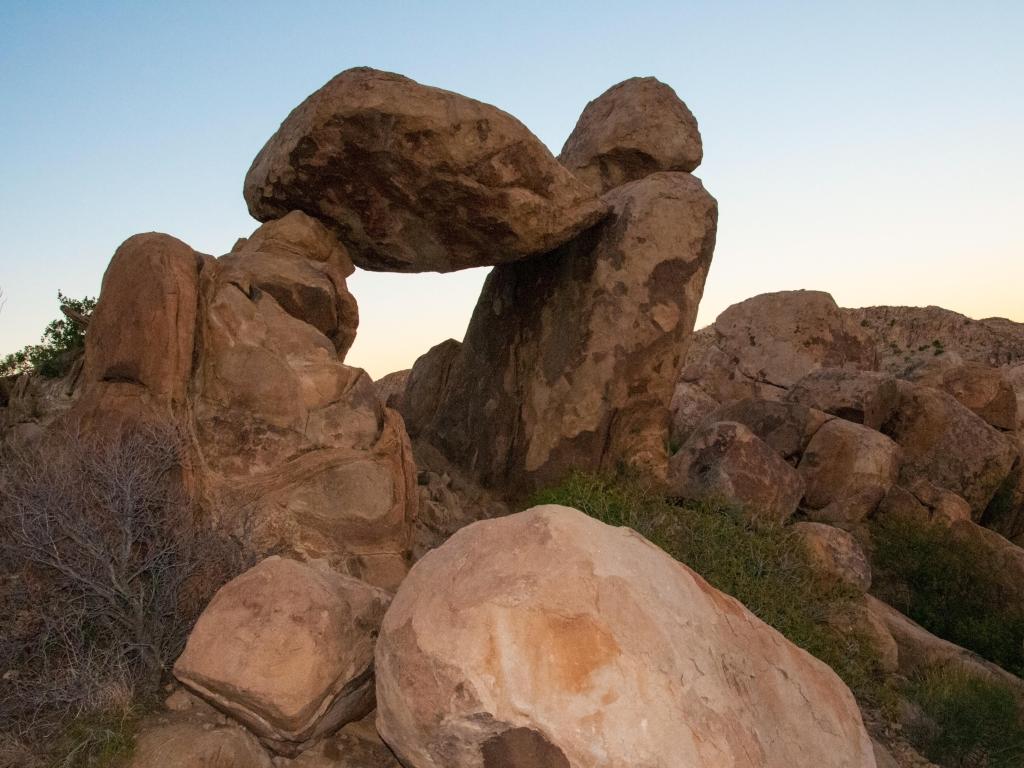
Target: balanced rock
[
  {"x": 947, "y": 444},
  {"x": 570, "y": 360},
  {"x": 287, "y": 649},
  {"x": 585, "y": 645},
  {"x": 632, "y": 130},
  {"x": 847, "y": 469},
  {"x": 724, "y": 461},
  {"x": 415, "y": 179},
  {"x": 863, "y": 397}
]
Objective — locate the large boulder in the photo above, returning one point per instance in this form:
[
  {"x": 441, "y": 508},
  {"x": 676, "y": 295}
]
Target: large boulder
[
  {"x": 415, "y": 179},
  {"x": 632, "y": 130},
  {"x": 985, "y": 390},
  {"x": 948, "y": 445},
  {"x": 585, "y": 645},
  {"x": 427, "y": 382},
  {"x": 863, "y": 397},
  {"x": 138, "y": 354},
  {"x": 726, "y": 462},
  {"x": 294, "y": 444},
  {"x": 179, "y": 741},
  {"x": 777, "y": 338},
  {"x": 570, "y": 360},
  {"x": 847, "y": 469},
  {"x": 287, "y": 649}
]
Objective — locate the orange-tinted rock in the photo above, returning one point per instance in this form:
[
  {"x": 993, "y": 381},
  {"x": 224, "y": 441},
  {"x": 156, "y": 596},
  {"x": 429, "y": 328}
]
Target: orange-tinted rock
[
  {"x": 726, "y": 462},
  {"x": 177, "y": 741},
  {"x": 287, "y": 649},
  {"x": 632, "y": 130},
  {"x": 836, "y": 554},
  {"x": 985, "y": 390},
  {"x": 585, "y": 645},
  {"x": 415, "y": 179},
  {"x": 847, "y": 469}
]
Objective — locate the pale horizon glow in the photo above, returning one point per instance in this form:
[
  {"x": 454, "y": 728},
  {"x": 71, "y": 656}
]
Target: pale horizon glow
[{"x": 871, "y": 151}]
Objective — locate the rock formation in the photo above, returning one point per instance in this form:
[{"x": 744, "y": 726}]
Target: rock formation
[
  {"x": 570, "y": 359},
  {"x": 584, "y": 645},
  {"x": 416, "y": 179}
]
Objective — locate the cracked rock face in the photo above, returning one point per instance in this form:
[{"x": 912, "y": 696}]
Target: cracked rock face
[
  {"x": 571, "y": 359},
  {"x": 287, "y": 649},
  {"x": 415, "y": 179},
  {"x": 585, "y": 645}
]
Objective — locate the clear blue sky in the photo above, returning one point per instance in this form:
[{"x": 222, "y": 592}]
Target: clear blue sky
[{"x": 872, "y": 149}]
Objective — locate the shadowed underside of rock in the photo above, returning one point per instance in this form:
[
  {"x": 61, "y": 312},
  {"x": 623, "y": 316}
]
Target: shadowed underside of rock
[{"x": 415, "y": 179}]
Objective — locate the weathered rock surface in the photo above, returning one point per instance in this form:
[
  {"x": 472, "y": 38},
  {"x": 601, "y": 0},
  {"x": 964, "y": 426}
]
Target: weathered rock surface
[
  {"x": 985, "y": 390},
  {"x": 863, "y": 397},
  {"x": 725, "y": 461},
  {"x": 357, "y": 745},
  {"x": 689, "y": 408},
  {"x": 390, "y": 389},
  {"x": 179, "y": 741},
  {"x": 585, "y": 645},
  {"x": 415, "y": 179},
  {"x": 570, "y": 360},
  {"x": 786, "y": 426},
  {"x": 836, "y": 554},
  {"x": 777, "y": 338},
  {"x": 428, "y": 381},
  {"x": 138, "y": 353},
  {"x": 287, "y": 649},
  {"x": 945, "y": 443},
  {"x": 295, "y": 444},
  {"x": 847, "y": 469},
  {"x": 632, "y": 130},
  {"x": 924, "y": 502}
]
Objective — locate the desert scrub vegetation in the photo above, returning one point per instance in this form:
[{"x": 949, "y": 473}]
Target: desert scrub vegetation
[
  {"x": 766, "y": 567},
  {"x": 103, "y": 569},
  {"x": 61, "y": 341},
  {"x": 967, "y": 721},
  {"x": 946, "y": 584}
]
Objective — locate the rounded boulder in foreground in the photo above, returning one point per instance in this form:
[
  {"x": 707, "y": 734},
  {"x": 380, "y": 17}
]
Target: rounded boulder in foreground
[{"x": 547, "y": 638}]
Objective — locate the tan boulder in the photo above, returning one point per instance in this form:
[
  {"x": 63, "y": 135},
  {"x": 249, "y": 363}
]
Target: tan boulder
[
  {"x": 985, "y": 390},
  {"x": 863, "y": 397},
  {"x": 689, "y": 408},
  {"x": 298, "y": 262},
  {"x": 294, "y": 444},
  {"x": 836, "y": 554},
  {"x": 847, "y": 469},
  {"x": 726, "y": 462},
  {"x": 178, "y": 741},
  {"x": 416, "y": 179},
  {"x": 390, "y": 389},
  {"x": 632, "y": 130},
  {"x": 948, "y": 445},
  {"x": 855, "y": 618},
  {"x": 426, "y": 385},
  {"x": 717, "y": 373},
  {"x": 570, "y": 360},
  {"x": 786, "y": 426},
  {"x": 777, "y": 338},
  {"x": 357, "y": 745},
  {"x": 138, "y": 351},
  {"x": 287, "y": 649},
  {"x": 585, "y": 645}
]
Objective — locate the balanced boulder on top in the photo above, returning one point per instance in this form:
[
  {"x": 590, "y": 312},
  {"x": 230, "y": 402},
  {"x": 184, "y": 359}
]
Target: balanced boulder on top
[{"x": 417, "y": 179}]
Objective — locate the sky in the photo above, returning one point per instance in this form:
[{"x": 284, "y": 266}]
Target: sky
[{"x": 872, "y": 149}]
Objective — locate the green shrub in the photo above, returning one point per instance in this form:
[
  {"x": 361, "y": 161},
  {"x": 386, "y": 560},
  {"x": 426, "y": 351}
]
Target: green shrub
[
  {"x": 947, "y": 585},
  {"x": 61, "y": 340},
  {"x": 969, "y": 722},
  {"x": 765, "y": 567}
]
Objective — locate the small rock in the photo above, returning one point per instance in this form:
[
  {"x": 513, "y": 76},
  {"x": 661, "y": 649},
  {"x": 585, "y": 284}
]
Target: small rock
[{"x": 836, "y": 554}]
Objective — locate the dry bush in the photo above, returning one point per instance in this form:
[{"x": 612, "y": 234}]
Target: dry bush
[{"x": 104, "y": 567}]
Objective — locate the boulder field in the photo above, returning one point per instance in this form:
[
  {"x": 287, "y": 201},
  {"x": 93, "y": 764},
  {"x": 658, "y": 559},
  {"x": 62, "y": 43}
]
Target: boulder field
[{"x": 398, "y": 612}]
